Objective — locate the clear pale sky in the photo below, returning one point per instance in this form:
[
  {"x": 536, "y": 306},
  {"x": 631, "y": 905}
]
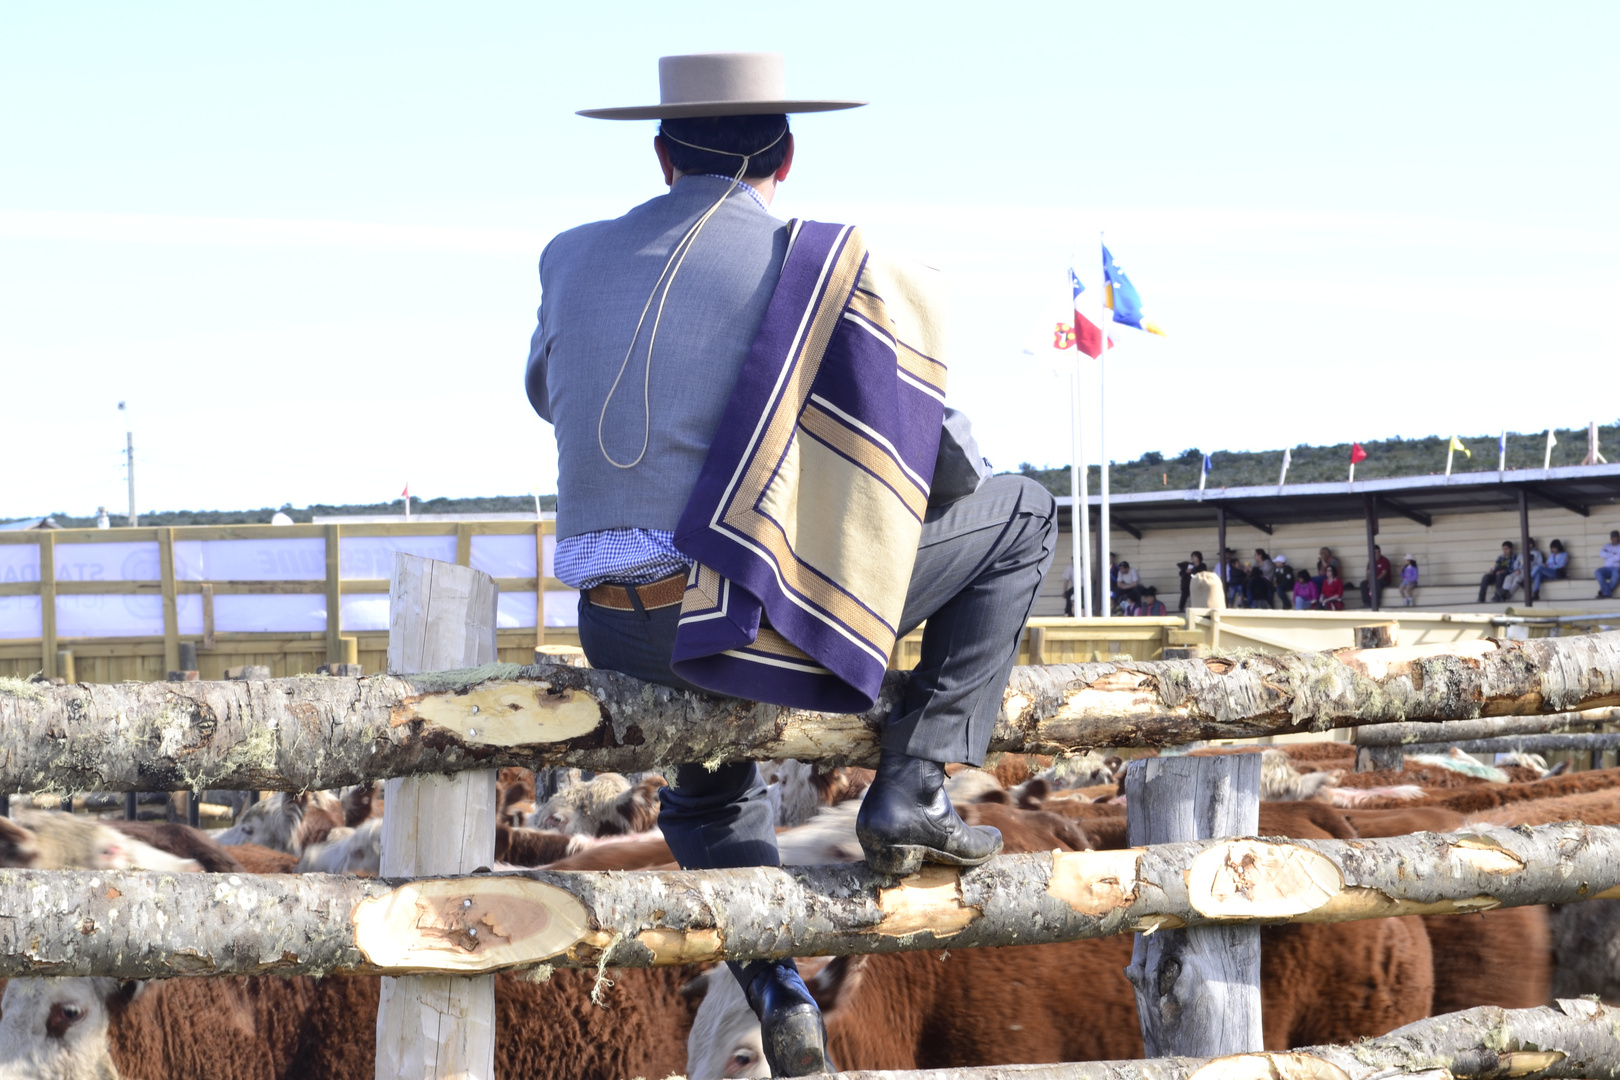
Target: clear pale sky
[{"x": 300, "y": 239}]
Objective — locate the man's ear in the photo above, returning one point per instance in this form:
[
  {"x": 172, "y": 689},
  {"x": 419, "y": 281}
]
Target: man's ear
[
  {"x": 661, "y": 148},
  {"x": 787, "y": 161}
]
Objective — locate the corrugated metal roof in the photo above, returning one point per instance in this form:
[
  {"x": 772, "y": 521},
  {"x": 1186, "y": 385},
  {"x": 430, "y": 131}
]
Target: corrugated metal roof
[{"x": 1576, "y": 488}]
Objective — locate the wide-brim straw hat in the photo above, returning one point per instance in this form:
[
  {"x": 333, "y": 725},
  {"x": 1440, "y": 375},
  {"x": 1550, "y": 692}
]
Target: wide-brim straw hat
[{"x": 720, "y": 84}]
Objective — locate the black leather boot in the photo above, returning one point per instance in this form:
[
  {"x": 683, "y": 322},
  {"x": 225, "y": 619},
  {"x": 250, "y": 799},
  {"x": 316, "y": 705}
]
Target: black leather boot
[
  {"x": 907, "y": 819},
  {"x": 791, "y": 1028}
]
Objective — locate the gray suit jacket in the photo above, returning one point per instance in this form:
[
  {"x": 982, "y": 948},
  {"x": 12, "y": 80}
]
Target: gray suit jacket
[{"x": 594, "y": 281}]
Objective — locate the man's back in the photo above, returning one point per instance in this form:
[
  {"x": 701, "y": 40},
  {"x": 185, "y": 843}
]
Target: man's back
[{"x": 595, "y": 280}]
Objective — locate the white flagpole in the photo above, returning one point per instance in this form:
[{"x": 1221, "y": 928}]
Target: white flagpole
[
  {"x": 1501, "y": 452},
  {"x": 1451, "y": 449},
  {"x": 1546, "y": 462},
  {"x": 1104, "y": 531},
  {"x": 1352, "y": 472},
  {"x": 1080, "y": 516},
  {"x": 1288, "y": 455}
]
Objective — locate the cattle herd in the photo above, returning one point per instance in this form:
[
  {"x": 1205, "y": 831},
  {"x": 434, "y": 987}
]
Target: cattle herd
[{"x": 1040, "y": 1003}]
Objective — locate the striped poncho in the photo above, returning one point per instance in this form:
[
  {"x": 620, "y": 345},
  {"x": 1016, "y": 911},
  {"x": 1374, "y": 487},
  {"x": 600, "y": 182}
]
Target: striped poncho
[{"x": 805, "y": 519}]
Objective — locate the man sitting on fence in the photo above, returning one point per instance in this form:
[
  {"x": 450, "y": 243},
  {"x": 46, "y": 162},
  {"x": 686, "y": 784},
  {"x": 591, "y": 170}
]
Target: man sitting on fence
[{"x": 697, "y": 428}]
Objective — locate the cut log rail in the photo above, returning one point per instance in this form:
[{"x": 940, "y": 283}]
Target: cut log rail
[
  {"x": 1575, "y": 1039},
  {"x": 1486, "y": 728},
  {"x": 295, "y": 734},
  {"x": 152, "y": 925}
]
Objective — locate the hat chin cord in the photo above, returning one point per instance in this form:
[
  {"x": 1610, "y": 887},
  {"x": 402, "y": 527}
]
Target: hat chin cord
[{"x": 666, "y": 281}]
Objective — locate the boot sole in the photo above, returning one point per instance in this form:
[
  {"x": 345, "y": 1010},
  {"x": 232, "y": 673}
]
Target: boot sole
[
  {"x": 797, "y": 1044},
  {"x": 903, "y": 860}
]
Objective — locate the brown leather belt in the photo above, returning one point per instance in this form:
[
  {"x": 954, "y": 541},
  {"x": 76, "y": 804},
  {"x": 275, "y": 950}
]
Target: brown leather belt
[{"x": 665, "y": 592}]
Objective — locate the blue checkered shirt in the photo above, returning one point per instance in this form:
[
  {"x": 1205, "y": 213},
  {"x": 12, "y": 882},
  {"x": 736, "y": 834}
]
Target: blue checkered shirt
[{"x": 622, "y": 556}]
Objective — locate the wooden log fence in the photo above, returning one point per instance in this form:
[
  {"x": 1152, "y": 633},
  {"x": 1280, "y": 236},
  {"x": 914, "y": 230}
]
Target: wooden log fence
[
  {"x": 295, "y": 734},
  {"x": 1572, "y": 1040},
  {"x": 156, "y": 925}
]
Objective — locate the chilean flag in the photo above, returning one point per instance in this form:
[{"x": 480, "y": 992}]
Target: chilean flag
[{"x": 1088, "y": 336}]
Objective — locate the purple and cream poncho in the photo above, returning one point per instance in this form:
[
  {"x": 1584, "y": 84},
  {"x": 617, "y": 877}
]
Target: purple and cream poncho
[{"x": 805, "y": 519}]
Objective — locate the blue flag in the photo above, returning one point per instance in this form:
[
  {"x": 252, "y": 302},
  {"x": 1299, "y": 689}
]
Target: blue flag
[{"x": 1120, "y": 295}]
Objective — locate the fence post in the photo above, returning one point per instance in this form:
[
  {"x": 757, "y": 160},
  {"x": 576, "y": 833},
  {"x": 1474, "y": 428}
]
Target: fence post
[
  {"x": 1197, "y": 990},
  {"x": 47, "y": 604},
  {"x": 440, "y": 617}
]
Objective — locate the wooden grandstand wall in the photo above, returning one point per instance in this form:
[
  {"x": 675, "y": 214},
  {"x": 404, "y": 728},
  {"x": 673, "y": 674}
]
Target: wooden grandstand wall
[{"x": 144, "y": 658}]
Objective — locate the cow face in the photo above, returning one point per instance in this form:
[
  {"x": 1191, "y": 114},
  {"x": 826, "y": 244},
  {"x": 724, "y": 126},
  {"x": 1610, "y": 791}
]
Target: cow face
[
  {"x": 56, "y": 1029},
  {"x": 725, "y": 1041},
  {"x": 271, "y": 823},
  {"x": 18, "y": 846}
]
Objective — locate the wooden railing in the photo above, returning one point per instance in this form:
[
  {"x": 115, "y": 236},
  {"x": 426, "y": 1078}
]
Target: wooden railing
[{"x": 113, "y": 657}]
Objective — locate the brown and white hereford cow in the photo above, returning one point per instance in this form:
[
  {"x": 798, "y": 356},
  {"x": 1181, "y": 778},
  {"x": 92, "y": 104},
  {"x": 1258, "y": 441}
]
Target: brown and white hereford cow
[
  {"x": 269, "y": 1028},
  {"x": 1069, "y": 1001}
]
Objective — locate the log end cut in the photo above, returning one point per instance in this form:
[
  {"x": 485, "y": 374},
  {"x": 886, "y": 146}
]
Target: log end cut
[
  {"x": 1256, "y": 879},
  {"x": 468, "y": 926},
  {"x": 507, "y": 714},
  {"x": 1294, "y": 1066}
]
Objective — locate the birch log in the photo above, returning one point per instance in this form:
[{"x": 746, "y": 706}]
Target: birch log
[
  {"x": 293, "y": 734},
  {"x": 1488, "y": 728},
  {"x": 145, "y": 925},
  {"x": 1575, "y": 1039},
  {"x": 431, "y": 1026},
  {"x": 1530, "y": 744}
]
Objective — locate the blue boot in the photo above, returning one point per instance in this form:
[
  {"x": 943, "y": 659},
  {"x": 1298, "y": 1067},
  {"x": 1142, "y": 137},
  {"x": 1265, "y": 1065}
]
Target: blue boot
[{"x": 791, "y": 1028}]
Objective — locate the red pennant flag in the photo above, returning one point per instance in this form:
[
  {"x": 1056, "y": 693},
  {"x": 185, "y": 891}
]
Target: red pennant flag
[
  {"x": 1357, "y": 453},
  {"x": 407, "y": 492}
]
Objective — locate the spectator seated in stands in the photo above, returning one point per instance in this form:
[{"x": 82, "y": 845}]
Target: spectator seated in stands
[
  {"x": 1149, "y": 604},
  {"x": 1262, "y": 580},
  {"x": 1409, "y": 580},
  {"x": 1382, "y": 571},
  {"x": 1306, "y": 592},
  {"x": 1332, "y": 591},
  {"x": 1556, "y": 566},
  {"x": 1324, "y": 559},
  {"x": 1282, "y": 578},
  {"x": 1511, "y": 583},
  {"x": 1608, "y": 575},
  {"x": 1497, "y": 574},
  {"x": 1127, "y": 585}
]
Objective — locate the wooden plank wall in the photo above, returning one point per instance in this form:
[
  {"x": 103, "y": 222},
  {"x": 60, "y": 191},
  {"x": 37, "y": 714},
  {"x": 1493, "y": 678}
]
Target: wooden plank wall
[
  {"x": 1453, "y": 553},
  {"x": 116, "y": 659}
]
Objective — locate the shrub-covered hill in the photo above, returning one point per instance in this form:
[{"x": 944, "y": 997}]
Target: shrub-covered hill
[
  {"x": 493, "y": 503},
  {"x": 1318, "y": 464},
  {"x": 1151, "y": 472}
]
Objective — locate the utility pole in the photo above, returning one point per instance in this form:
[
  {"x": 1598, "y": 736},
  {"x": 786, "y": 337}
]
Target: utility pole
[{"x": 129, "y": 464}]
